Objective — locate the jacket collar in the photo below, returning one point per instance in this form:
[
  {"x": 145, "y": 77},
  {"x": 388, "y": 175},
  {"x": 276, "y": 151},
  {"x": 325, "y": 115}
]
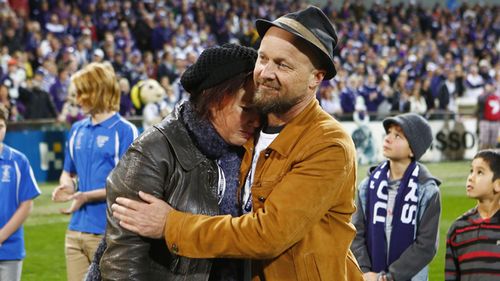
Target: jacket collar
[
  {"x": 293, "y": 131},
  {"x": 172, "y": 127}
]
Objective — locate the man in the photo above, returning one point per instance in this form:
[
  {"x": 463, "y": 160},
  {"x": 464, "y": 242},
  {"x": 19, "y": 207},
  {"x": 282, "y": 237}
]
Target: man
[
  {"x": 298, "y": 179},
  {"x": 38, "y": 103}
]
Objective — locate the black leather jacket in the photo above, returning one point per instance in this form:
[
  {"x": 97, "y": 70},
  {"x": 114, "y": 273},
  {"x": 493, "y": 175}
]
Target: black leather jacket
[{"x": 164, "y": 162}]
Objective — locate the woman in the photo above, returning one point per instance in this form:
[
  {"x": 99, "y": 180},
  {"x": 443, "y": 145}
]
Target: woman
[
  {"x": 417, "y": 102},
  {"x": 191, "y": 160},
  {"x": 94, "y": 147}
]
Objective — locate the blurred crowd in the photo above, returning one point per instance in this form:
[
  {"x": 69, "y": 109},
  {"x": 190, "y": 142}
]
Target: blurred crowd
[{"x": 391, "y": 58}]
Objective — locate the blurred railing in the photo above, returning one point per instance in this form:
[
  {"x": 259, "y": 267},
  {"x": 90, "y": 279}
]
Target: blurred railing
[{"x": 43, "y": 140}]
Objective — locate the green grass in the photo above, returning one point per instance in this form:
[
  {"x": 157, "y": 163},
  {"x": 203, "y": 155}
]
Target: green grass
[
  {"x": 45, "y": 228},
  {"x": 44, "y": 235}
]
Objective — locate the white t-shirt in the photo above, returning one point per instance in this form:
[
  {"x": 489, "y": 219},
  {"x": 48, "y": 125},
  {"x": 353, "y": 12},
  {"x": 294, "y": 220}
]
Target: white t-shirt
[{"x": 262, "y": 143}]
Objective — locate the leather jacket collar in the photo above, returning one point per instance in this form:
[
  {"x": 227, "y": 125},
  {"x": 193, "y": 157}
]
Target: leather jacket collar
[{"x": 174, "y": 129}]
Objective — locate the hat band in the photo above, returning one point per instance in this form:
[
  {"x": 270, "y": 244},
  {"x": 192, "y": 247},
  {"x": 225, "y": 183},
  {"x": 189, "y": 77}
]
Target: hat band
[{"x": 308, "y": 35}]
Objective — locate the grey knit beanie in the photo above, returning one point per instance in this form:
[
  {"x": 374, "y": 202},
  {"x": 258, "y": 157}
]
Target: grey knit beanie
[{"x": 416, "y": 129}]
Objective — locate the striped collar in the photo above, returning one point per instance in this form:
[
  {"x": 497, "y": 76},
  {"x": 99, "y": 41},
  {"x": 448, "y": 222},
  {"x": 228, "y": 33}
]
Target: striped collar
[
  {"x": 6, "y": 153},
  {"x": 108, "y": 123}
]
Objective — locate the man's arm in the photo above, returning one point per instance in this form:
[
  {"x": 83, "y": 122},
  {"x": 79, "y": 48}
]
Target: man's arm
[
  {"x": 321, "y": 183},
  {"x": 16, "y": 220},
  {"x": 424, "y": 248}
]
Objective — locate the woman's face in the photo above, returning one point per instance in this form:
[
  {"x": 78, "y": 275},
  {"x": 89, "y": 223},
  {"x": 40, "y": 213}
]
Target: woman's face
[{"x": 237, "y": 119}]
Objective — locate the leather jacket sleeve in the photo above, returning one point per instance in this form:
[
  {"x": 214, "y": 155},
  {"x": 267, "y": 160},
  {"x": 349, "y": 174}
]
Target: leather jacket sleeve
[{"x": 143, "y": 167}]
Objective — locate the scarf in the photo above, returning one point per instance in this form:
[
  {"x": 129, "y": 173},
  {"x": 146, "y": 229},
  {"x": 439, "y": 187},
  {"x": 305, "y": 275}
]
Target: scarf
[
  {"x": 404, "y": 219},
  {"x": 228, "y": 157}
]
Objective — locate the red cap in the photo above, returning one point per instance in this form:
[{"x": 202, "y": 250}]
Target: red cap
[{"x": 12, "y": 61}]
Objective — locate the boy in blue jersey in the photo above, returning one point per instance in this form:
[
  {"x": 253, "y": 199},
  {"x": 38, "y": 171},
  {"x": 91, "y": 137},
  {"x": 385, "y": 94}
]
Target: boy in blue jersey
[
  {"x": 18, "y": 188},
  {"x": 94, "y": 147}
]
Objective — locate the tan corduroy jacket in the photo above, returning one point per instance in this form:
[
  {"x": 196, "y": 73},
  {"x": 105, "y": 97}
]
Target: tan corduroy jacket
[{"x": 303, "y": 200}]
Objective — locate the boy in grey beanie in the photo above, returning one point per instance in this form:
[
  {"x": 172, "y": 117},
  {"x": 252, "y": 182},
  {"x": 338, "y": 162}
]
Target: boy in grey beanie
[{"x": 398, "y": 204}]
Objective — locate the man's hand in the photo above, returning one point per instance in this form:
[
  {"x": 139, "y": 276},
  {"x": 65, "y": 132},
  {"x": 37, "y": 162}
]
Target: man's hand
[
  {"x": 79, "y": 199},
  {"x": 146, "y": 219},
  {"x": 62, "y": 193},
  {"x": 370, "y": 276}
]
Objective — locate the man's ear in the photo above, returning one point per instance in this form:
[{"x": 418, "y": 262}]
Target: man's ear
[{"x": 317, "y": 78}]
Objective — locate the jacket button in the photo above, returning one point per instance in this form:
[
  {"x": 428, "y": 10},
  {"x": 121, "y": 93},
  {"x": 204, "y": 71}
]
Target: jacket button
[
  {"x": 262, "y": 199},
  {"x": 268, "y": 153},
  {"x": 175, "y": 249}
]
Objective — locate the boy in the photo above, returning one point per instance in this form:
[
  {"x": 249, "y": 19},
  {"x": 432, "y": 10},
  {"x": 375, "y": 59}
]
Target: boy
[
  {"x": 398, "y": 206},
  {"x": 95, "y": 145},
  {"x": 18, "y": 188},
  {"x": 472, "y": 244}
]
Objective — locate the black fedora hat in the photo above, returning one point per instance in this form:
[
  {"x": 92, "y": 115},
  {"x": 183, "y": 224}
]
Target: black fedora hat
[{"x": 312, "y": 25}]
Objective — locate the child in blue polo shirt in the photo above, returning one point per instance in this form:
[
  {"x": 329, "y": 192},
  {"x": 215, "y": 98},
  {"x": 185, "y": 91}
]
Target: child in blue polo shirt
[
  {"x": 94, "y": 147},
  {"x": 18, "y": 188}
]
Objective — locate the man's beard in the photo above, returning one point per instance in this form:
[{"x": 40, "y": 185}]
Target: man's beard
[{"x": 273, "y": 103}]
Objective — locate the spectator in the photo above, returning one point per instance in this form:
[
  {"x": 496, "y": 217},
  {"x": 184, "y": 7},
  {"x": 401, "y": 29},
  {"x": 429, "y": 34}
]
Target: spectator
[
  {"x": 126, "y": 106},
  {"x": 38, "y": 103},
  {"x": 54, "y": 25},
  {"x": 448, "y": 93},
  {"x": 167, "y": 67},
  {"x": 371, "y": 94},
  {"x": 474, "y": 85},
  {"x": 6, "y": 101},
  {"x": 59, "y": 90},
  {"x": 488, "y": 115},
  {"x": 98, "y": 55},
  {"x": 17, "y": 75},
  {"x": 329, "y": 98},
  {"x": 348, "y": 96},
  {"x": 417, "y": 102}
]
